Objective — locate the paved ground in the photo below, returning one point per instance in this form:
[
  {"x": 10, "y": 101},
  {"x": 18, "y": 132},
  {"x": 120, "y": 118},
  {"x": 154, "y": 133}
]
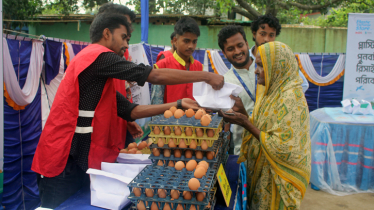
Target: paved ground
[{"x": 319, "y": 200}]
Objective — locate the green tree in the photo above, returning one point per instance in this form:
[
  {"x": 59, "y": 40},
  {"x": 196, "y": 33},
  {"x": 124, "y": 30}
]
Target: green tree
[
  {"x": 20, "y": 10},
  {"x": 191, "y": 7},
  {"x": 283, "y": 8},
  {"x": 339, "y": 17}
]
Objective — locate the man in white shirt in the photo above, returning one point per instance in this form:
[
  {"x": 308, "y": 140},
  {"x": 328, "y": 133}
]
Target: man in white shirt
[
  {"x": 265, "y": 29},
  {"x": 234, "y": 45}
]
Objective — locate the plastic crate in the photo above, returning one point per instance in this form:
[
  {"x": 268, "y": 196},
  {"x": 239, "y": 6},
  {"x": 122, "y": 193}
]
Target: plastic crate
[
  {"x": 186, "y": 203},
  {"x": 183, "y": 123},
  {"x": 168, "y": 178}
]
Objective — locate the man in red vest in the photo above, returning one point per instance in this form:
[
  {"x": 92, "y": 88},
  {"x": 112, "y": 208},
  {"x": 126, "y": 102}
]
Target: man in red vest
[
  {"x": 77, "y": 133},
  {"x": 167, "y": 53},
  {"x": 121, "y": 126},
  {"x": 187, "y": 31}
]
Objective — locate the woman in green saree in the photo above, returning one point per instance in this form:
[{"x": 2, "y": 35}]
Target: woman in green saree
[{"x": 276, "y": 141}]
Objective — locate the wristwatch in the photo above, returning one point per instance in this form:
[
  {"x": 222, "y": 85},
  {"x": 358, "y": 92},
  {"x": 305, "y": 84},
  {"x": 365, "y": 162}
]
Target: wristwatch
[{"x": 179, "y": 104}]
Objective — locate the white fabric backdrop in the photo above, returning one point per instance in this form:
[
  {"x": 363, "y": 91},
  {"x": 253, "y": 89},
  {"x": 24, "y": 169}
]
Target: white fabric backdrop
[{"x": 27, "y": 94}]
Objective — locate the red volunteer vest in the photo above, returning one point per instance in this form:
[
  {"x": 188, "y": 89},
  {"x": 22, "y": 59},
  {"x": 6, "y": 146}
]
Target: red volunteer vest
[
  {"x": 175, "y": 92},
  {"x": 166, "y": 54},
  {"x": 53, "y": 150}
]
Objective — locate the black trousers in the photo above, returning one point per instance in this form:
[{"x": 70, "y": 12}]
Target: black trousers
[{"x": 55, "y": 190}]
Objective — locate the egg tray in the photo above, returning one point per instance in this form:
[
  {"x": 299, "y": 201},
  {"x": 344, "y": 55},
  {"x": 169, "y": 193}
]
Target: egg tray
[
  {"x": 161, "y": 177},
  {"x": 168, "y": 199},
  {"x": 183, "y": 134},
  {"x": 185, "y": 121},
  {"x": 184, "y": 159},
  {"x": 185, "y": 203},
  {"x": 212, "y": 145},
  {"x": 212, "y": 165}
]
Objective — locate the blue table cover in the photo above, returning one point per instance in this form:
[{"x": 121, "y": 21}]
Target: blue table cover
[
  {"x": 342, "y": 151},
  {"x": 82, "y": 199}
]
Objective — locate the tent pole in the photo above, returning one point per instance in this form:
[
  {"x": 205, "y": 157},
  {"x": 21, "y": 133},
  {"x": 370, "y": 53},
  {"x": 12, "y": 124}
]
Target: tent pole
[{"x": 144, "y": 4}]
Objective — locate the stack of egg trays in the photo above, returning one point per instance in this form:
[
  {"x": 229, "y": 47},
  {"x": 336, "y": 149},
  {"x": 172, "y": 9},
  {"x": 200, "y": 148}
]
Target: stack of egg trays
[
  {"x": 160, "y": 205},
  {"x": 198, "y": 148},
  {"x": 183, "y": 123},
  {"x": 160, "y": 177}
]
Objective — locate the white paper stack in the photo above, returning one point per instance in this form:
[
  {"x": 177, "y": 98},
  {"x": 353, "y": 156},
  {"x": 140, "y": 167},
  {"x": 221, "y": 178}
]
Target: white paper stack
[
  {"x": 109, "y": 185},
  {"x": 347, "y": 106},
  {"x": 133, "y": 158}
]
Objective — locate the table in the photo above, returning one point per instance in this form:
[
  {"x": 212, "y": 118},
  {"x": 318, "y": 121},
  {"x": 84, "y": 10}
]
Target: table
[
  {"x": 82, "y": 199},
  {"x": 342, "y": 151}
]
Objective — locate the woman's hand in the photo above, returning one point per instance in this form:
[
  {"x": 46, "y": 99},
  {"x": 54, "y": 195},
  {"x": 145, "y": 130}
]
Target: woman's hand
[
  {"x": 238, "y": 106},
  {"x": 234, "y": 117}
]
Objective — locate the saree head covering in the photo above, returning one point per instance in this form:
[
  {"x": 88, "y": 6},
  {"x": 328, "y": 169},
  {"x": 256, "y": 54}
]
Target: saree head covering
[{"x": 279, "y": 163}]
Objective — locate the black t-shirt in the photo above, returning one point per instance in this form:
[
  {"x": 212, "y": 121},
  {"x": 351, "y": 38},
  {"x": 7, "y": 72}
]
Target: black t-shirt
[{"x": 91, "y": 85}]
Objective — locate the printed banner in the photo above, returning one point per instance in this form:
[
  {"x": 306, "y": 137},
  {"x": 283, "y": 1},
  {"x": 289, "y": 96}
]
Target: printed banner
[{"x": 359, "y": 66}]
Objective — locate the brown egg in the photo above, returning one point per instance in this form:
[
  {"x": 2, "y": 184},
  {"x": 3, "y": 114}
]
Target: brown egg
[
  {"x": 192, "y": 207},
  {"x": 193, "y": 144},
  {"x": 200, "y": 196},
  {"x": 187, "y": 195},
  {"x": 199, "y": 132},
  {"x": 173, "y": 109},
  {"x": 177, "y": 153},
  {"x": 179, "y": 165},
  {"x": 210, "y": 155},
  {"x": 156, "y": 152},
  {"x": 199, "y": 173},
  {"x": 210, "y": 133},
  {"x": 203, "y": 110},
  {"x": 167, "y": 153},
  {"x": 137, "y": 192},
  {"x": 123, "y": 151},
  {"x": 174, "y": 194},
  {"x": 188, "y": 154},
  {"x": 160, "y": 163},
  {"x": 180, "y": 207},
  {"x": 149, "y": 192},
  {"x": 202, "y": 167},
  {"x": 138, "y": 152},
  {"x": 205, "y": 121},
  {"x": 131, "y": 146},
  {"x": 191, "y": 165},
  {"x": 154, "y": 206},
  {"x": 199, "y": 155},
  {"x": 178, "y": 114},
  {"x": 168, "y": 114},
  {"x": 177, "y": 131},
  {"x": 188, "y": 131},
  {"x": 182, "y": 143},
  {"x": 156, "y": 130},
  {"x": 190, "y": 113},
  {"x": 167, "y": 130},
  {"x": 142, "y": 145},
  {"x": 140, "y": 206},
  {"x": 161, "y": 193},
  {"x": 171, "y": 143},
  {"x": 160, "y": 142},
  {"x": 193, "y": 184},
  {"x": 199, "y": 114},
  {"x": 204, "y": 145},
  {"x": 204, "y": 163},
  {"x": 171, "y": 163},
  {"x": 133, "y": 151},
  {"x": 166, "y": 207}
]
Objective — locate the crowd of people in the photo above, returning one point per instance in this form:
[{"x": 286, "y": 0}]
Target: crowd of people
[{"x": 93, "y": 110}]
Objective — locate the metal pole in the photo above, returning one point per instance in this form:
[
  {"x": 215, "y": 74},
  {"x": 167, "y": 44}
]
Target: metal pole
[{"x": 144, "y": 7}]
